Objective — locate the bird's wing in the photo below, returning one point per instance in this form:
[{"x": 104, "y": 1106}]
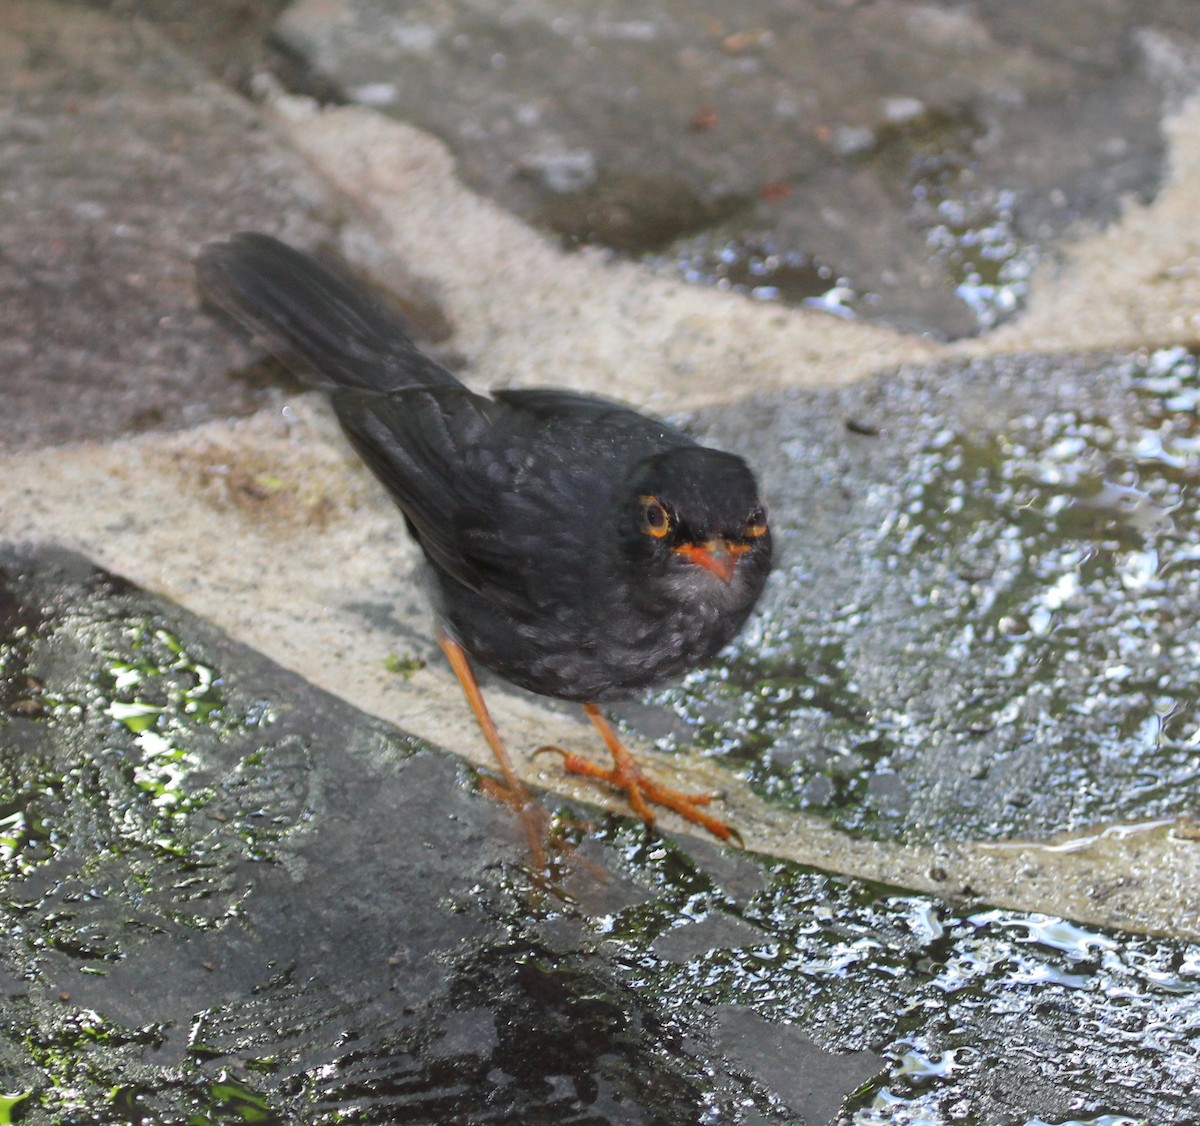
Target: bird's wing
[
  {"x": 589, "y": 414},
  {"x": 497, "y": 500},
  {"x": 432, "y": 448}
]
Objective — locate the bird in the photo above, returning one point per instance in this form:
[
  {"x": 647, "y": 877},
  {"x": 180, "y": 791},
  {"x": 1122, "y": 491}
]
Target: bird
[{"x": 578, "y": 548}]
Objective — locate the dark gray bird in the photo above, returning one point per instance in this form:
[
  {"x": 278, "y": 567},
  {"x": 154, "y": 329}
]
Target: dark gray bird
[{"x": 578, "y": 548}]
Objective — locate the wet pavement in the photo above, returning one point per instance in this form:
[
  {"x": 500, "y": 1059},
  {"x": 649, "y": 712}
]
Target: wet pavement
[
  {"x": 1006, "y": 645},
  {"x": 230, "y": 897},
  {"x": 241, "y": 877},
  {"x": 908, "y": 162}
]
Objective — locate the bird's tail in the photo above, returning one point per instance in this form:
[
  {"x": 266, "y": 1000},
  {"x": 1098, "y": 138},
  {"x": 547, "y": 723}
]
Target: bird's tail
[{"x": 331, "y": 330}]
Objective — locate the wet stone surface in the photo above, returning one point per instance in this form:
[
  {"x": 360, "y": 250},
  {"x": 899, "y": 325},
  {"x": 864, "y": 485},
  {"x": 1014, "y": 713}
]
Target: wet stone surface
[
  {"x": 227, "y": 897},
  {"x": 904, "y": 161},
  {"x": 982, "y": 621},
  {"x": 118, "y": 160}
]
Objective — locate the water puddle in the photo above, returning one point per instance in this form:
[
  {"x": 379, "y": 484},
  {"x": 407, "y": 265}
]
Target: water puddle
[
  {"x": 929, "y": 165},
  {"x": 971, "y": 226},
  {"x": 765, "y": 268}
]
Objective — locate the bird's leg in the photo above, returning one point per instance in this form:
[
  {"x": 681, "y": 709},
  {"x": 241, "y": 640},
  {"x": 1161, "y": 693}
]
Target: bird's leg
[
  {"x": 534, "y": 819},
  {"x": 517, "y": 795},
  {"x": 628, "y": 776},
  {"x": 514, "y": 792}
]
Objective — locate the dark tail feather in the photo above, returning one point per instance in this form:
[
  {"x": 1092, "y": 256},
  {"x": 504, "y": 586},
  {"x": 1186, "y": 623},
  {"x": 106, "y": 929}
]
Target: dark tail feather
[{"x": 331, "y": 330}]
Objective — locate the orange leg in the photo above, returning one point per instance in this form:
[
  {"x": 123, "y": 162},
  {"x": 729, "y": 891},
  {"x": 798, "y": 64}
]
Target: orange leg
[
  {"x": 462, "y": 669},
  {"x": 626, "y": 775},
  {"x": 513, "y": 792}
]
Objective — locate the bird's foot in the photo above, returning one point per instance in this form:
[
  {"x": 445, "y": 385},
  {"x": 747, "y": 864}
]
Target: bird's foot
[
  {"x": 534, "y": 817},
  {"x": 643, "y": 792},
  {"x": 515, "y": 797},
  {"x": 546, "y": 838}
]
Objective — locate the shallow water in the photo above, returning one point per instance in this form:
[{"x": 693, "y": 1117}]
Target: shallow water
[{"x": 977, "y": 248}]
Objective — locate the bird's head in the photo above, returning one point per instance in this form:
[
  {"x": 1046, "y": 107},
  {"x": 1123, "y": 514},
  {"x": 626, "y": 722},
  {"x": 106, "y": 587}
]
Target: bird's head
[{"x": 694, "y": 525}]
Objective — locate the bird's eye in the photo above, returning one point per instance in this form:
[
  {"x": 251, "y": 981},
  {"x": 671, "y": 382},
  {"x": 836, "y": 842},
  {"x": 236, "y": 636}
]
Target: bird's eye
[
  {"x": 655, "y": 520},
  {"x": 756, "y": 522}
]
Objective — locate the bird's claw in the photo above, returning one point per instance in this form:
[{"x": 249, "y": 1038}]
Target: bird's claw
[
  {"x": 550, "y": 749},
  {"x": 644, "y": 792},
  {"x": 574, "y": 763}
]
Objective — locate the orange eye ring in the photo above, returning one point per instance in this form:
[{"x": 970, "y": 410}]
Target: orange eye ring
[
  {"x": 656, "y": 521},
  {"x": 756, "y": 522}
]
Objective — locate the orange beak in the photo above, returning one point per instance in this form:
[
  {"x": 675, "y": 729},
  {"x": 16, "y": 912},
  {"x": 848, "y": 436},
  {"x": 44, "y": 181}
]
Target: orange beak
[{"x": 718, "y": 556}]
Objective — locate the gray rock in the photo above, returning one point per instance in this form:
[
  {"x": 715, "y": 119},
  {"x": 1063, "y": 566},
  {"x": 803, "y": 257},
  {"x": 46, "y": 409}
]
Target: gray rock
[
  {"x": 227, "y": 895},
  {"x": 119, "y": 159},
  {"x": 907, "y": 161},
  {"x": 981, "y": 620}
]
